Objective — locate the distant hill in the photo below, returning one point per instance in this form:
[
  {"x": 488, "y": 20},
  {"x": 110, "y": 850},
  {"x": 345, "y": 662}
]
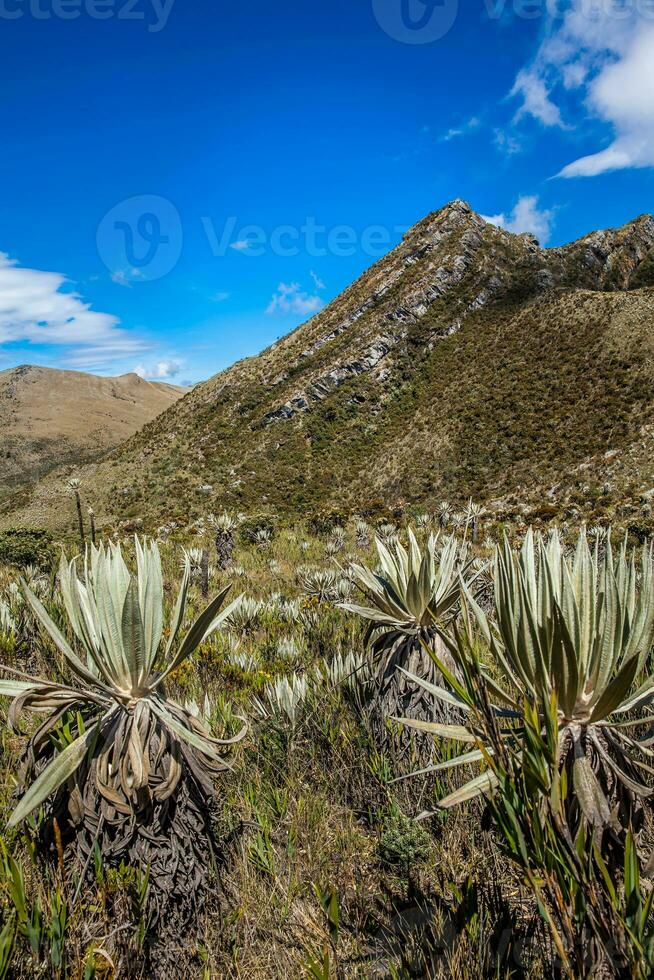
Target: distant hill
[
  {"x": 467, "y": 362},
  {"x": 50, "y": 417}
]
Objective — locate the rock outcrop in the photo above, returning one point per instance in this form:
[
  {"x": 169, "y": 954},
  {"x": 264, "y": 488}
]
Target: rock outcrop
[{"x": 467, "y": 361}]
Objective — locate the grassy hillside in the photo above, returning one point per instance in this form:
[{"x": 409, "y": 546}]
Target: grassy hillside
[
  {"x": 49, "y": 417},
  {"x": 467, "y": 362}
]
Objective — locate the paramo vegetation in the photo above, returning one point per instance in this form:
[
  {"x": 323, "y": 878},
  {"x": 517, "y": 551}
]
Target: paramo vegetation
[{"x": 343, "y": 748}]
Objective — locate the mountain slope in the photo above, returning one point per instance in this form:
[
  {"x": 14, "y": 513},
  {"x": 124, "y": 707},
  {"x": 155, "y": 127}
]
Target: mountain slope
[
  {"x": 49, "y": 417},
  {"x": 467, "y": 362}
]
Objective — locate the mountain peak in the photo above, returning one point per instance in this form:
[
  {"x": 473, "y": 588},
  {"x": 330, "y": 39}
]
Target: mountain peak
[
  {"x": 449, "y": 219},
  {"x": 457, "y": 205},
  {"x": 469, "y": 361}
]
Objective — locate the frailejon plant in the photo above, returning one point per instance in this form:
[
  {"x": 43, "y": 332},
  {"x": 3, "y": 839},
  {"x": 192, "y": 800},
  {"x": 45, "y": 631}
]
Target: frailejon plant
[
  {"x": 116, "y": 763},
  {"x": 245, "y": 615},
  {"x": 193, "y": 558},
  {"x": 286, "y": 697},
  {"x": 225, "y": 526},
  {"x": 7, "y": 623},
  {"x": 413, "y": 592},
  {"x": 475, "y": 513},
  {"x": 74, "y": 487},
  {"x": 594, "y": 901},
  {"x": 579, "y": 629},
  {"x": 320, "y": 584},
  {"x": 349, "y": 669},
  {"x": 362, "y": 533},
  {"x": 444, "y": 513},
  {"x": 590, "y": 894},
  {"x": 336, "y": 542},
  {"x": 387, "y": 534}
]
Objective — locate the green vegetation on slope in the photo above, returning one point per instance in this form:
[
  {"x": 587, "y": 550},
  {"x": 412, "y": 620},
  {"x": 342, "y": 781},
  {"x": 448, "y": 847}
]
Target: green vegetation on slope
[{"x": 467, "y": 362}]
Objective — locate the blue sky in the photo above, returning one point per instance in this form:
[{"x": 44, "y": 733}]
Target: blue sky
[{"x": 183, "y": 181}]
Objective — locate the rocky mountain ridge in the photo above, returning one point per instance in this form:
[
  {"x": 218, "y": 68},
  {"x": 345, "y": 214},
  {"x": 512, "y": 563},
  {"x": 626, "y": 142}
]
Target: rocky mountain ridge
[
  {"x": 609, "y": 260},
  {"x": 469, "y": 361}
]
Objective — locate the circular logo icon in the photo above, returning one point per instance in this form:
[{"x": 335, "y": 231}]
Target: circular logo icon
[
  {"x": 416, "y": 21},
  {"x": 140, "y": 239}
]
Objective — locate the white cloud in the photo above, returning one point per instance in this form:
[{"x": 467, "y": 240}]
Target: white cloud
[
  {"x": 319, "y": 284},
  {"x": 241, "y": 246},
  {"x": 161, "y": 371},
  {"x": 535, "y": 99},
  {"x": 601, "y": 56},
  {"x": 167, "y": 369},
  {"x": 220, "y": 297},
  {"x": 291, "y": 300},
  {"x": 526, "y": 217},
  {"x": 39, "y": 308}
]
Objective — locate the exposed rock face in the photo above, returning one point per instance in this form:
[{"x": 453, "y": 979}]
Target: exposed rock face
[
  {"x": 607, "y": 258},
  {"x": 466, "y": 361},
  {"x": 441, "y": 273},
  {"x": 327, "y": 383},
  {"x": 612, "y": 258}
]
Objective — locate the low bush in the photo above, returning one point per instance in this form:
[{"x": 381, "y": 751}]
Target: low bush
[
  {"x": 22, "y": 547},
  {"x": 258, "y": 522}
]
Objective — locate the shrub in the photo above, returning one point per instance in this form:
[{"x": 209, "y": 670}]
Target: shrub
[
  {"x": 251, "y": 527},
  {"x": 641, "y": 530},
  {"x": 324, "y": 521},
  {"x": 23, "y": 547},
  {"x": 402, "y": 840}
]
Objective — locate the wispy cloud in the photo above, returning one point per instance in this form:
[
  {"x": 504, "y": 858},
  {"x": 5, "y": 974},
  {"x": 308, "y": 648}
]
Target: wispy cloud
[
  {"x": 242, "y": 245},
  {"x": 463, "y": 130},
  {"x": 126, "y": 277},
  {"x": 40, "y": 308},
  {"x": 318, "y": 283},
  {"x": 526, "y": 216},
  {"x": 220, "y": 297},
  {"x": 536, "y": 101},
  {"x": 507, "y": 143},
  {"x": 602, "y": 59},
  {"x": 290, "y": 300}
]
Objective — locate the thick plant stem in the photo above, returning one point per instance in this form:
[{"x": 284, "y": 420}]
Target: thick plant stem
[
  {"x": 92, "y": 524},
  {"x": 224, "y": 548},
  {"x": 80, "y": 518},
  {"x": 204, "y": 574}
]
